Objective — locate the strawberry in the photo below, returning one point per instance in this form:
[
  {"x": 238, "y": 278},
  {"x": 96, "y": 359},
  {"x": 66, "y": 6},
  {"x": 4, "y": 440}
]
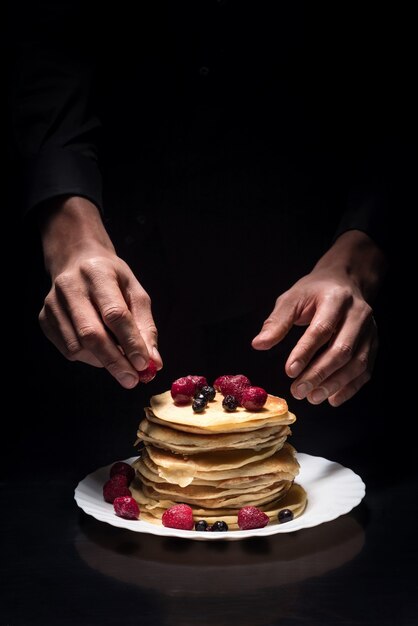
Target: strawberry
[
  {"x": 253, "y": 398},
  {"x": 179, "y": 516},
  {"x": 250, "y": 517},
  {"x": 126, "y": 507},
  {"x": 123, "y": 468},
  {"x": 115, "y": 487}
]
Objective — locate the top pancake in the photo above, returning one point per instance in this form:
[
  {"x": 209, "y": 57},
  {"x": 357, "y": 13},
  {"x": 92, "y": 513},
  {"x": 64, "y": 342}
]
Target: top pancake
[{"x": 214, "y": 418}]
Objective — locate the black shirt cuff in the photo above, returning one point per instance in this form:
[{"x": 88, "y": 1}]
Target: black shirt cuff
[{"x": 57, "y": 172}]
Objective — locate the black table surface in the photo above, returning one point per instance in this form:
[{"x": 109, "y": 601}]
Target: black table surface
[{"x": 63, "y": 567}]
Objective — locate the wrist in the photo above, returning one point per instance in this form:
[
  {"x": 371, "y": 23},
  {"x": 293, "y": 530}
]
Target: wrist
[
  {"x": 355, "y": 255},
  {"x": 71, "y": 227}
]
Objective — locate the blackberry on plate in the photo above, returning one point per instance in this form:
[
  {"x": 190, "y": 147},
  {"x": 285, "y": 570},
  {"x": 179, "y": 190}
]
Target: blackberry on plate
[
  {"x": 200, "y": 396},
  {"x": 219, "y": 526},
  {"x": 285, "y": 515},
  {"x": 209, "y": 392},
  {"x": 199, "y": 405},
  {"x": 229, "y": 403}
]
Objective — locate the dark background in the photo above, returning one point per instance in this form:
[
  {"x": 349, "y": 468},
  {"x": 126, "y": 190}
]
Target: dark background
[{"x": 193, "y": 181}]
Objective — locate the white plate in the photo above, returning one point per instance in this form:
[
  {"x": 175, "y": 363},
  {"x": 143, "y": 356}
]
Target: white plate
[{"x": 332, "y": 489}]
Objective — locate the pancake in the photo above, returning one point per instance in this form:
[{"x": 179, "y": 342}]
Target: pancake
[
  {"x": 193, "y": 443},
  {"x": 251, "y": 425},
  {"x": 214, "y": 417},
  {"x": 216, "y": 461},
  {"x": 152, "y": 510}
]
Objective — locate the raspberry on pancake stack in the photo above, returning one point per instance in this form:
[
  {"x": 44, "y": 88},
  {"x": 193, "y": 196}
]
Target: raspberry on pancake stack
[{"x": 219, "y": 457}]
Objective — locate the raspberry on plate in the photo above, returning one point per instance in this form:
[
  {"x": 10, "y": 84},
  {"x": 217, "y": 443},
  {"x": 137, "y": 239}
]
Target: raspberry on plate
[
  {"x": 234, "y": 386},
  {"x": 251, "y": 517},
  {"x": 126, "y": 507},
  {"x": 179, "y": 516},
  {"x": 220, "y": 382},
  {"x": 120, "y": 467},
  {"x": 150, "y": 372},
  {"x": 253, "y": 398},
  {"x": 182, "y": 390},
  {"x": 115, "y": 487},
  {"x": 199, "y": 381}
]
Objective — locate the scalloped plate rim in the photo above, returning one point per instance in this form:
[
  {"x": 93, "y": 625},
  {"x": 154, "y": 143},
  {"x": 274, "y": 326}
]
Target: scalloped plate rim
[{"x": 320, "y": 508}]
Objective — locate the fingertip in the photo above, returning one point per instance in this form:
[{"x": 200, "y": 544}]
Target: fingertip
[
  {"x": 128, "y": 381},
  {"x": 294, "y": 368},
  {"x": 261, "y": 342},
  {"x": 156, "y": 357}
]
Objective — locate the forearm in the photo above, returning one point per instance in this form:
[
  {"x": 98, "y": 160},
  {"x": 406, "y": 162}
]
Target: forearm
[
  {"x": 54, "y": 130},
  {"x": 71, "y": 227},
  {"x": 356, "y": 256}
]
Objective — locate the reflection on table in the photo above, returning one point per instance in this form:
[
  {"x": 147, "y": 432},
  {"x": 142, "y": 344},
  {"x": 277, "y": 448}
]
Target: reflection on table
[{"x": 254, "y": 580}]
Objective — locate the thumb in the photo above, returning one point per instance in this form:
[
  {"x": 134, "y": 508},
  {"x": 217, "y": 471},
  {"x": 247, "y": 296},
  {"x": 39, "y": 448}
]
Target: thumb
[{"x": 277, "y": 325}]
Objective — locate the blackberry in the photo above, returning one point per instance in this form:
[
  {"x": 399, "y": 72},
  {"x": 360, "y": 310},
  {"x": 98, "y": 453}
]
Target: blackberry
[
  {"x": 209, "y": 392},
  {"x": 229, "y": 403},
  {"x": 199, "y": 405},
  {"x": 201, "y": 525},
  {"x": 285, "y": 515},
  {"x": 219, "y": 527},
  {"x": 200, "y": 396}
]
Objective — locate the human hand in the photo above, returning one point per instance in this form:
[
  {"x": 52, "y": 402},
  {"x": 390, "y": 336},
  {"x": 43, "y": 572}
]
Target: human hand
[
  {"x": 96, "y": 311},
  {"x": 335, "y": 356}
]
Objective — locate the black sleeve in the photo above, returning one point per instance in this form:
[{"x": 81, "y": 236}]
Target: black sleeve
[
  {"x": 377, "y": 88},
  {"x": 54, "y": 133}
]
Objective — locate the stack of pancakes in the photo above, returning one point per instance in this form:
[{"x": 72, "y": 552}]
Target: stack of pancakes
[{"x": 216, "y": 461}]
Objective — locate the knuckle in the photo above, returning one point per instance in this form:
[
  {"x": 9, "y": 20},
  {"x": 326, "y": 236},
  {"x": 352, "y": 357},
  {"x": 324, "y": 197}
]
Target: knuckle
[
  {"x": 342, "y": 353},
  {"x": 340, "y": 294},
  {"x": 89, "y": 335},
  {"x": 115, "y": 314},
  {"x": 89, "y": 267},
  {"x": 361, "y": 363},
  {"x": 142, "y": 299},
  {"x": 42, "y": 317},
  {"x": 63, "y": 282},
  {"x": 49, "y": 305},
  {"x": 317, "y": 376},
  {"x": 113, "y": 365},
  {"x": 72, "y": 348},
  {"x": 323, "y": 329},
  {"x": 365, "y": 312}
]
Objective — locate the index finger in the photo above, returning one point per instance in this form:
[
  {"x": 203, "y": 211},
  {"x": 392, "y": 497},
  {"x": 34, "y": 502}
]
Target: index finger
[
  {"x": 322, "y": 327},
  {"x": 119, "y": 319}
]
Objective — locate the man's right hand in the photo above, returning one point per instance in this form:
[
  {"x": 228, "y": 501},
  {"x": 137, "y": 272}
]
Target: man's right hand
[{"x": 96, "y": 311}]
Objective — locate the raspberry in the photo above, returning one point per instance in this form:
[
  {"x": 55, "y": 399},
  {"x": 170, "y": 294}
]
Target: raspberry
[
  {"x": 199, "y": 381},
  {"x": 221, "y": 381},
  {"x": 123, "y": 468},
  {"x": 179, "y": 516},
  {"x": 150, "y": 372},
  {"x": 182, "y": 390},
  {"x": 251, "y": 517},
  {"x": 115, "y": 487},
  {"x": 234, "y": 386},
  {"x": 253, "y": 398},
  {"x": 126, "y": 507}
]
